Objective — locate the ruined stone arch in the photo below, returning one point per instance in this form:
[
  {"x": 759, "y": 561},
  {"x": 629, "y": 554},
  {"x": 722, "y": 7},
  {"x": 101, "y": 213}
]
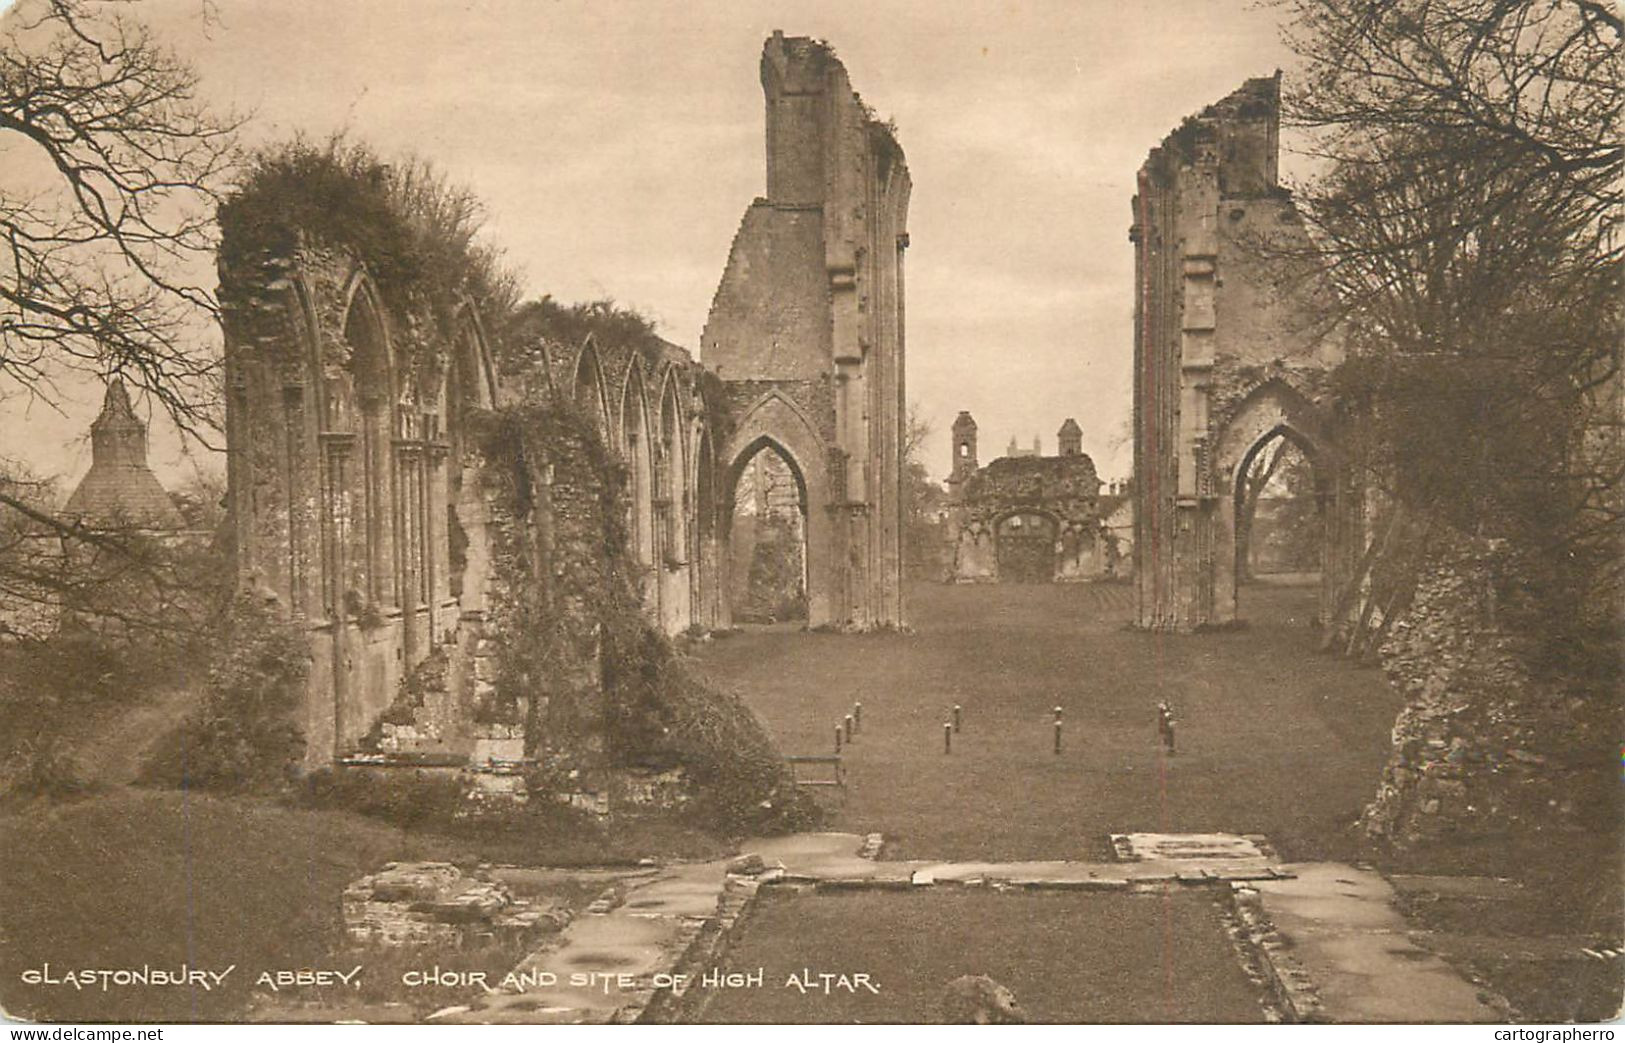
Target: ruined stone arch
[
  {"x": 1271, "y": 407},
  {"x": 773, "y": 420},
  {"x": 674, "y": 465},
  {"x": 358, "y": 428},
  {"x": 468, "y": 384},
  {"x": 471, "y": 364},
  {"x": 1275, "y": 409},
  {"x": 674, "y": 552},
  {"x": 305, "y": 577},
  {"x": 587, "y": 386},
  {"x": 702, "y": 480},
  {"x": 633, "y": 430},
  {"x": 706, "y": 594}
]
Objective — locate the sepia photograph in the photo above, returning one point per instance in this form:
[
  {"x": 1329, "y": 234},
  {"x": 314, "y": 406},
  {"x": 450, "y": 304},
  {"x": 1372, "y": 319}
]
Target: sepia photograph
[{"x": 778, "y": 512}]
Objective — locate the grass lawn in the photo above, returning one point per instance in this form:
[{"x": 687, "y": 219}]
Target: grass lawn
[
  {"x": 1067, "y": 957},
  {"x": 163, "y": 878},
  {"x": 1273, "y": 738}
]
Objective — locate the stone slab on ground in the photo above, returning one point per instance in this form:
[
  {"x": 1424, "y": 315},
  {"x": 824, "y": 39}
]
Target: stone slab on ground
[
  {"x": 540, "y": 878},
  {"x": 1341, "y": 931},
  {"x": 816, "y": 856},
  {"x": 647, "y": 934},
  {"x": 1062, "y": 875},
  {"x": 836, "y": 859},
  {"x": 1191, "y": 847}
]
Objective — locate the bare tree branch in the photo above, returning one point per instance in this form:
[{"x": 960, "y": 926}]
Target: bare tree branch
[{"x": 104, "y": 233}]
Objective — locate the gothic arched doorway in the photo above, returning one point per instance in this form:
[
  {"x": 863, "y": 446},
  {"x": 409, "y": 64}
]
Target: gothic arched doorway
[
  {"x": 767, "y": 537},
  {"x": 1280, "y": 515}
]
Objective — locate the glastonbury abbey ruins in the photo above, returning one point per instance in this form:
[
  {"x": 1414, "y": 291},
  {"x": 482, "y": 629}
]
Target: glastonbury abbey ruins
[{"x": 356, "y": 485}]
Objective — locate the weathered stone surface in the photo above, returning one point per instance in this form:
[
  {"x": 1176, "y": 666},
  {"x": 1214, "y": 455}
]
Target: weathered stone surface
[
  {"x": 1341, "y": 952},
  {"x": 979, "y": 1000},
  {"x": 1024, "y": 519},
  {"x": 1226, "y": 358},
  {"x": 806, "y": 324},
  {"x": 436, "y": 903},
  {"x": 664, "y": 921},
  {"x": 364, "y": 506},
  {"x": 1481, "y": 745},
  {"x": 1193, "y": 847}
]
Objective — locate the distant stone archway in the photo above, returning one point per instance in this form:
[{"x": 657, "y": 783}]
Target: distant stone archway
[
  {"x": 767, "y": 536},
  {"x": 775, "y": 423},
  {"x": 1024, "y": 542}
]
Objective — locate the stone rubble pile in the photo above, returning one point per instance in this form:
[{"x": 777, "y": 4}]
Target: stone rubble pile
[
  {"x": 436, "y": 903},
  {"x": 1479, "y": 744}
]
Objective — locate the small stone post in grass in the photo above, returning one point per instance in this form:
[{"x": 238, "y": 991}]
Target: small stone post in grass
[
  {"x": 956, "y": 717},
  {"x": 857, "y": 715},
  {"x": 837, "y": 739},
  {"x": 947, "y": 737},
  {"x": 850, "y": 728},
  {"x": 1057, "y": 731},
  {"x": 1165, "y": 726}
]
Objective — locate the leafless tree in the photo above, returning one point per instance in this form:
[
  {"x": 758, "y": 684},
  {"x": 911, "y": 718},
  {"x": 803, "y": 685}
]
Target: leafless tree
[
  {"x": 1469, "y": 223},
  {"x": 107, "y": 204},
  {"x": 921, "y": 497},
  {"x": 114, "y": 165}
]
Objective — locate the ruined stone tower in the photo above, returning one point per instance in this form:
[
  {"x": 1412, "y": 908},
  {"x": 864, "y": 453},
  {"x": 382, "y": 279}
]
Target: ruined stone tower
[
  {"x": 806, "y": 328},
  {"x": 964, "y": 462},
  {"x": 1228, "y": 355},
  {"x": 1070, "y": 438}
]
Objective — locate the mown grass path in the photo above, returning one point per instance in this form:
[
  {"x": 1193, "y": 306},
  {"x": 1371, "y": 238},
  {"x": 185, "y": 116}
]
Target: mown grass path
[{"x": 1273, "y": 738}]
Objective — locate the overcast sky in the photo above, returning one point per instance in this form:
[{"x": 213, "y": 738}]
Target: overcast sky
[{"x": 617, "y": 144}]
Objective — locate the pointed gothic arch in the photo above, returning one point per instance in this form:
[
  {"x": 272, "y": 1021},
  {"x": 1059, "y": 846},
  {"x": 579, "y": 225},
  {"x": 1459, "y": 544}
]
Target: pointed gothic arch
[
  {"x": 773, "y": 419},
  {"x": 637, "y": 450},
  {"x": 587, "y": 385},
  {"x": 359, "y": 394},
  {"x": 1275, "y": 409}
]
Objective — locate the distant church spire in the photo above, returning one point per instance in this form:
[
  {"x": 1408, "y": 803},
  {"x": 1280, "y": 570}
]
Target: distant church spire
[{"x": 120, "y": 489}]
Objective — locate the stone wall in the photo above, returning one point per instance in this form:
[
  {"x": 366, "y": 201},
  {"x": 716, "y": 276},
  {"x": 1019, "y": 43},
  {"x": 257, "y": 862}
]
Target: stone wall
[
  {"x": 364, "y": 505},
  {"x": 1482, "y": 746},
  {"x": 806, "y": 328},
  {"x": 1006, "y": 502},
  {"x": 1230, "y": 352},
  {"x": 382, "y": 501}
]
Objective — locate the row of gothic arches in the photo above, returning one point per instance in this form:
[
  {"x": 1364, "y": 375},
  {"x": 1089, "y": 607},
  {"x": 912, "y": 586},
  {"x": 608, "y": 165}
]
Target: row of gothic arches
[
  {"x": 390, "y": 453},
  {"x": 691, "y": 500},
  {"x": 657, "y": 423},
  {"x": 397, "y": 527}
]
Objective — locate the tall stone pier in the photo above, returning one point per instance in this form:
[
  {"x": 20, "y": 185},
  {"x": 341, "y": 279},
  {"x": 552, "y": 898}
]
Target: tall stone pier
[
  {"x": 806, "y": 329},
  {"x": 1231, "y": 351}
]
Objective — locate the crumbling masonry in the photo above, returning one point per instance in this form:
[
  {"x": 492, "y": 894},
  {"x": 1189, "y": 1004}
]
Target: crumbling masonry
[
  {"x": 806, "y": 329},
  {"x": 359, "y": 492},
  {"x": 1025, "y": 519},
  {"x": 1227, "y": 357}
]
